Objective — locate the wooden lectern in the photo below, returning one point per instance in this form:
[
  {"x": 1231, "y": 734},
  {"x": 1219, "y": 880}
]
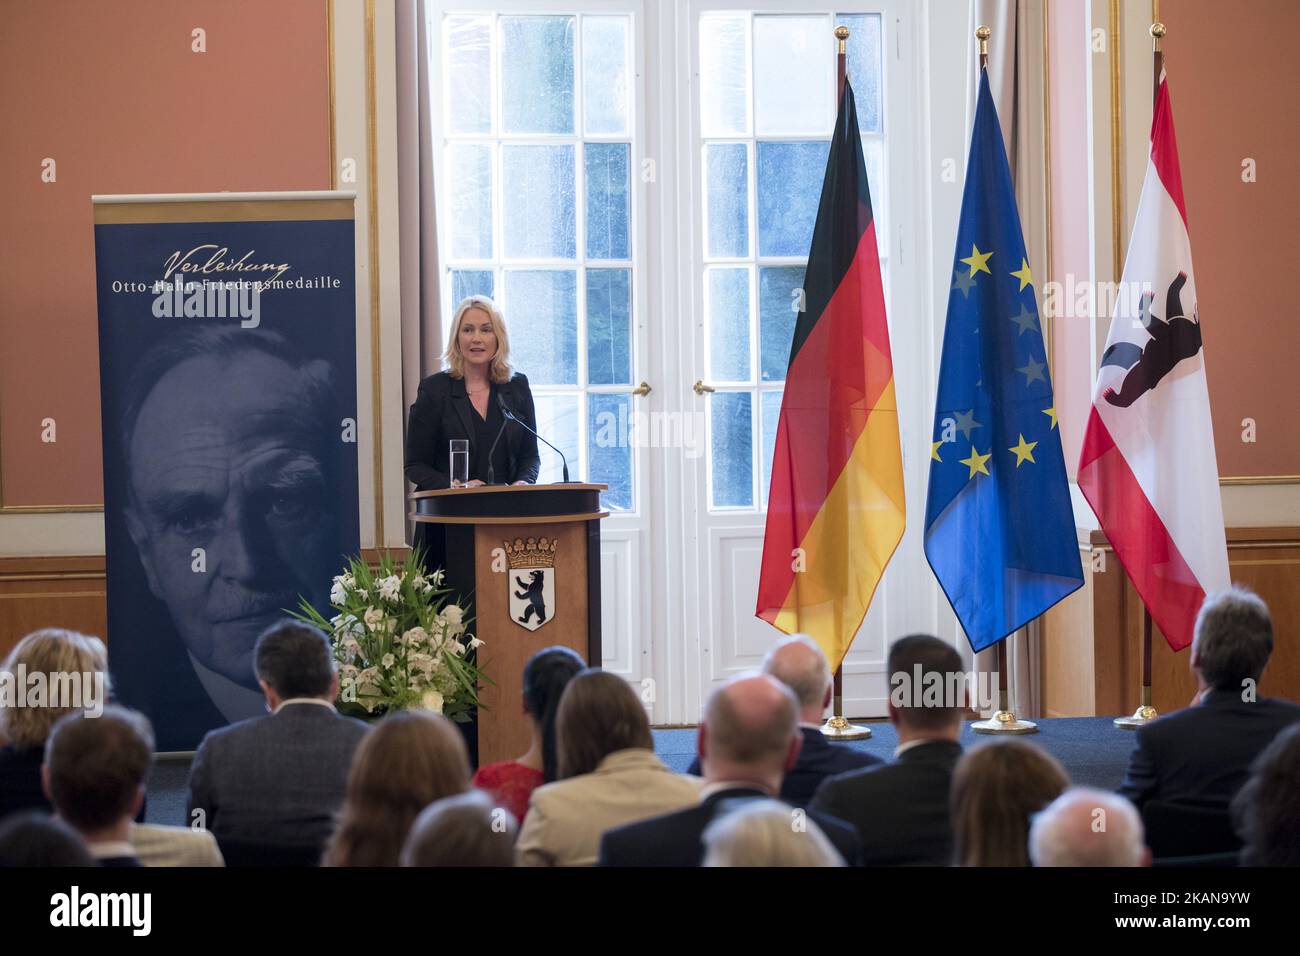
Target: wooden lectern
[{"x": 525, "y": 559}]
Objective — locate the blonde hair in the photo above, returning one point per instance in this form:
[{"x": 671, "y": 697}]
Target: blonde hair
[
  {"x": 499, "y": 370},
  {"x": 49, "y": 651},
  {"x": 768, "y": 833}
]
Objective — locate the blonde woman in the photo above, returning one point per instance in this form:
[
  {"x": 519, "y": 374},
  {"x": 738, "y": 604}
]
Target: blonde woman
[
  {"x": 465, "y": 402},
  {"x": 50, "y": 651}
]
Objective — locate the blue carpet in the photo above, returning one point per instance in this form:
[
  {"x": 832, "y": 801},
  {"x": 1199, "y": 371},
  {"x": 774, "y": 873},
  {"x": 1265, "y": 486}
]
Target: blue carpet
[{"x": 1092, "y": 749}]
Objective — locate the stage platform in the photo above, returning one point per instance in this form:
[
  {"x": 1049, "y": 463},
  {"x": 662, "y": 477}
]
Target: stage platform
[{"x": 1092, "y": 749}]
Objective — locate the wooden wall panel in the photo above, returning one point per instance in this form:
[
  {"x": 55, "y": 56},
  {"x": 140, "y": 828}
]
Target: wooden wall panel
[{"x": 51, "y": 592}]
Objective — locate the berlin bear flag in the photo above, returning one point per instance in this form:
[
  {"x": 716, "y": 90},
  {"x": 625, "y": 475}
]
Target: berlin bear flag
[
  {"x": 999, "y": 528},
  {"x": 1147, "y": 466},
  {"x": 835, "y": 506}
]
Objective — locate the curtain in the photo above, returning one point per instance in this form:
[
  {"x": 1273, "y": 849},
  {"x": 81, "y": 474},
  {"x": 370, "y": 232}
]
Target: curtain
[{"x": 420, "y": 295}]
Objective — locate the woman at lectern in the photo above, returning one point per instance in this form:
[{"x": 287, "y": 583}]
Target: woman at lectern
[{"x": 465, "y": 402}]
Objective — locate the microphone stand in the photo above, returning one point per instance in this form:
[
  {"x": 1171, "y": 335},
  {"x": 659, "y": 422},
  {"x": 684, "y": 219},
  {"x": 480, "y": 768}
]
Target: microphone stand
[{"x": 511, "y": 417}]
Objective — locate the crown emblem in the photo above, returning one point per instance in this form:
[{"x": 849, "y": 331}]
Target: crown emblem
[{"x": 531, "y": 552}]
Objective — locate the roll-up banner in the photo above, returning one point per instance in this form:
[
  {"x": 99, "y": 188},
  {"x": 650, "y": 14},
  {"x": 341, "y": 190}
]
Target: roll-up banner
[{"x": 227, "y": 345}]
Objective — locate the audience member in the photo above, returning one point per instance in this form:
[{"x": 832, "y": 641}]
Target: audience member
[
  {"x": 273, "y": 783},
  {"x": 94, "y": 774},
  {"x": 1087, "y": 827},
  {"x": 901, "y": 809},
  {"x": 512, "y": 782},
  {"x": 463, "y": 830},
  {"x": 32, "y": 838},
  {"x": 609, "y": 775},
  {"x": 1268, "y": 806},
  {"x": 799, "y": 663},
  {"x": 996, "y": 790},
  {"x": 52, "y": 652},
  {"x": 748, "y": 739},
  {"x": 410, "y": 759},
  {"x": 767, "y": 833},
  {"x": 1201, "y": 755}
]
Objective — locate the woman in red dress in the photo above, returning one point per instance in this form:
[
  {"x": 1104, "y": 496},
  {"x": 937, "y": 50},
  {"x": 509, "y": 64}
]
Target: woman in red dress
[{"x": 512, "y": 782}]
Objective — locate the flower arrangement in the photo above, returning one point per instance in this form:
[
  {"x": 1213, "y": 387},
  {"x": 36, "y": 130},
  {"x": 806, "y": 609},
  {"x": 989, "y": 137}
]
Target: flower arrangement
[{"x": 399, "y": 640}]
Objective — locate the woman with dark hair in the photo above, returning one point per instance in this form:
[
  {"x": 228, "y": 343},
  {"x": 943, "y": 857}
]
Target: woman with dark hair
[
  {"x": 410, "y": 759},
  {"x": 996, "y": 790},
  {"x": 1267, "y": 808},
  {"x": 609, "y": 775},
  {"x": 512, "y": 782}
]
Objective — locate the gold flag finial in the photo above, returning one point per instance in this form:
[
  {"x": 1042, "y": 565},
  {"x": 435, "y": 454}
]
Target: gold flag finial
[
  {"x": 842, "y": 34},
  {"x": 982, "y": 34}
]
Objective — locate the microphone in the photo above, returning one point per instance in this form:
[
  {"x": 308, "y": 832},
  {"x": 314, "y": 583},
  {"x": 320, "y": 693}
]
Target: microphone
[
  {"x": 511, "y": 417},
  {"x": 491, "y": 472}
]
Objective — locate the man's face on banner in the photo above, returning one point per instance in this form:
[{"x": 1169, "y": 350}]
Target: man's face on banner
[{"x": 226, "y": 456}]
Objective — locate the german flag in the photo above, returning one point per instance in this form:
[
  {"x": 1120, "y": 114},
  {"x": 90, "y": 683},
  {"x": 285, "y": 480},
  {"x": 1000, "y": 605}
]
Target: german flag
[{"x": 835, "y": 507}]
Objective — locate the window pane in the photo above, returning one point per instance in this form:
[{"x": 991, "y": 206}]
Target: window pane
[
  {"x": 778, "y": 298},
  {"x": 469, "y": 175},
  {"x": 537, "y": 74},
  {"x": 544, "y": 334},
  {"x": 609, "y": 451},
  {"x": 609, "y": 326},
  {"x": 864, "y": 67},
  {"x": 467, "y": 282},
  {"x": 771, "y": 410},
  {"x": 607, "y": 200},
  {"x": 873, "y": 153},
  {"x": 539, "y": 219},
  {"x": 605, "y": 74},
  {"x": 794, "y": 62},
  {"x": 557, "y": 420},
  {"x": 727, "y": 190},
  {"x": 724, "y": 96},
  {"x": 469, "y": 74},
  {"x": 728, "y": 310},
  {"x": 732, "y": 449},
  {"x": 789, "y": 187}
]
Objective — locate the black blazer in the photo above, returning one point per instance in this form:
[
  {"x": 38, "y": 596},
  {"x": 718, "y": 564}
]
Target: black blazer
[
  {"x": 818, "y": 759},
  {"x": 900, "y": 809},
  {"x": 1201, "y": 755},
  {"x": 676, "y": 839},
  {"x": 442, "y": 411}
]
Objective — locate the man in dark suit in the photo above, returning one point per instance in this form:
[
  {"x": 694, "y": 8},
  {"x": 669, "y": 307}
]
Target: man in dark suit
[
  {"x": 748, "y": 740},
  {"x": 94, "y": 774},
  {"x": 799, "y": 663},
  {"x": 900, "y": 809},
  {"x": 274, "y": 782},
  {"x": 1200, "y": 756}
]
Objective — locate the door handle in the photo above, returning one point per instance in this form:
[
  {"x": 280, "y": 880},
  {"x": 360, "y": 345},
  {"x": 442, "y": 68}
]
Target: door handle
[
  {"x": 700, "y": 388},
  {"x": 642, "y": 389}
]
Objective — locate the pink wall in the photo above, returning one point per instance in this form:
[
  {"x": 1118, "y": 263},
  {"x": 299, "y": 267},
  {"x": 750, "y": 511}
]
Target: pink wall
[
  {"x": 113, "y": 93},
  {"x": 1233, "y": 76}
]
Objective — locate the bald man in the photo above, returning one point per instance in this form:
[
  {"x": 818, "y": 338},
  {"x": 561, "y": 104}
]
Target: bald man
[
  {"x": 1086, "y": 827},
  {"x": 748, "y": 740},
  {"x": 798, "y": 663}
]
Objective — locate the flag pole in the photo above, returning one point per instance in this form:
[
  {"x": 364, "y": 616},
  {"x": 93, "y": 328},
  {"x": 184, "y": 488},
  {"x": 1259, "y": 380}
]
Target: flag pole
[
  {"x": 1146, "y": 712},
  {"x": 1004, "y": 721},
  {"x": 837, "y": 727}
]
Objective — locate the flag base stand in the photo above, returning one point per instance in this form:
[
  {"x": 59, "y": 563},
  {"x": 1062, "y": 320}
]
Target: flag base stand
[
  {"x": 1004, "y": 722},
  {"x": 839, "y": 728},
  {"x": 1145, "y": 712}
]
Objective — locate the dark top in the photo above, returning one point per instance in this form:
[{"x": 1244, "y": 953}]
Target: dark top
[
  {"x": 676, "y": 839},
  {"x": 20, "y": 780},
  {"x": 442, "y": 411},
  {"x": 1201, "y": 755},
  {"x": 900, "y": 809},
  {"x": 818, "y": 759}
]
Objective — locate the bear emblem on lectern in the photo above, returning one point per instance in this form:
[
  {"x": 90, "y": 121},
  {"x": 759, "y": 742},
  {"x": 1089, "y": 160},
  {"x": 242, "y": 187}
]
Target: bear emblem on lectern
[{"x": 531, "y": 580}]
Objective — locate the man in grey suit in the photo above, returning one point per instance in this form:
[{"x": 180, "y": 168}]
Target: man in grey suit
[{"x": 268, "y": 787}]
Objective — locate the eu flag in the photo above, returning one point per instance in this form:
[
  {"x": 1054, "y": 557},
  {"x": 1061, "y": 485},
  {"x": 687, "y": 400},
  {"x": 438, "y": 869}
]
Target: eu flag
[{"x": 999, "y": 529}]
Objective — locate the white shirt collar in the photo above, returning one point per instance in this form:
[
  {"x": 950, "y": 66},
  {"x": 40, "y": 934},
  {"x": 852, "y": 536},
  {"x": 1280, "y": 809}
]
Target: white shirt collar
[
  {"x": 104, "y": 851},
  {"x": 235, "y": 701},
  {"x": 304, "y": 700}
]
